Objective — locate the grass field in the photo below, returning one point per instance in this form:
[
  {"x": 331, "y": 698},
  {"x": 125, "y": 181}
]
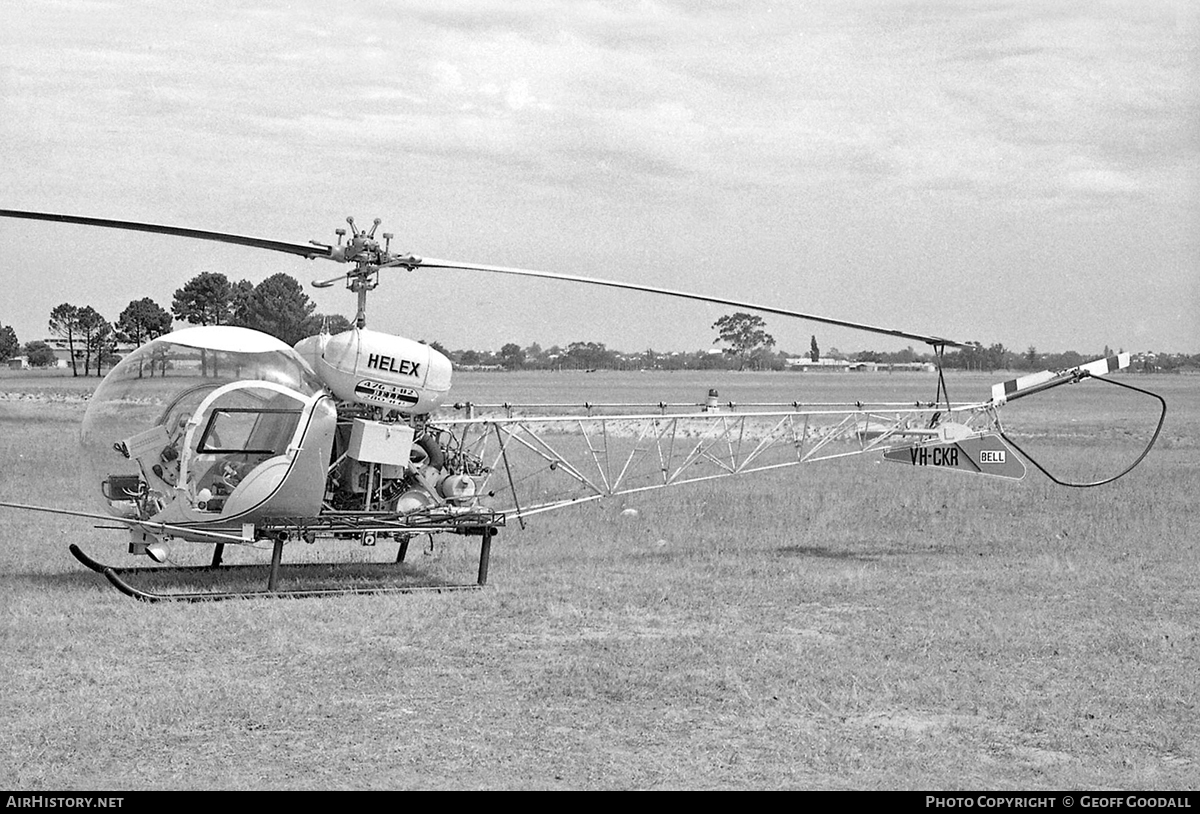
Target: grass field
[{"x": 840, "y": 625}]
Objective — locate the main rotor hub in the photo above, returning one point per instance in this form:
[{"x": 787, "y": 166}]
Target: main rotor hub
[{"x": 363, "y": 250}]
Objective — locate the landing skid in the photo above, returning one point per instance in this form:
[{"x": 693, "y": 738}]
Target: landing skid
[{"x": 116, "y": 576}]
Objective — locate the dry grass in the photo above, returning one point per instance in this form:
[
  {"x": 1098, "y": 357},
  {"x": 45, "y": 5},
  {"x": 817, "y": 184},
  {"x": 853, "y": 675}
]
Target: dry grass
[{"x": 845, "y": 625}]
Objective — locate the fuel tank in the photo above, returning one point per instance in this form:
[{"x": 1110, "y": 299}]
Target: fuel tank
[{"x": 378, "y": 369}]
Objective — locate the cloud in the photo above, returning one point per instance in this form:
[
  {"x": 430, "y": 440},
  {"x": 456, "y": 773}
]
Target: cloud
[{"x": 670, "y": 121}]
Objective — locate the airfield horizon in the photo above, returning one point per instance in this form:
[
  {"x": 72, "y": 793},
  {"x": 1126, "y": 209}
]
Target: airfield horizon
[{"x": 838, "y": 625}]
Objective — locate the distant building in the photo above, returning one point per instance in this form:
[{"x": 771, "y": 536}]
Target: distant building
[
  {"x": 919, "y": 367},
  {"x": 62, "y": 351},
  {"x": 806, "y": 363}
]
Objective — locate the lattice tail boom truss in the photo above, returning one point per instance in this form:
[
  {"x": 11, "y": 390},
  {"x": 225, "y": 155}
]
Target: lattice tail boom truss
[{"x": 539, "y": 463}]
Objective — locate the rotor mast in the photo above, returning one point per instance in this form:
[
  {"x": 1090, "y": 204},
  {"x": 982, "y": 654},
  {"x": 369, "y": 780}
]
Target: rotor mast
[
  {"x": 368, "y": 257},
  {"x": 366, "y": 274}
]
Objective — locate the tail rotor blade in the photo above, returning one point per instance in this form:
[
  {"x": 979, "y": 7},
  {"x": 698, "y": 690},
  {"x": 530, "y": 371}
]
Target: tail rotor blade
[{"x": 1038, "y": 382}]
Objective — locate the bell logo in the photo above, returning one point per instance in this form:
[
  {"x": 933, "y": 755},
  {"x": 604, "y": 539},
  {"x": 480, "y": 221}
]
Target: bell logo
[{"x": 991, "y": 456}]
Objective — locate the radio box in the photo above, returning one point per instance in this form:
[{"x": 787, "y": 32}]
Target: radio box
[{"x": 380, "y": 442}]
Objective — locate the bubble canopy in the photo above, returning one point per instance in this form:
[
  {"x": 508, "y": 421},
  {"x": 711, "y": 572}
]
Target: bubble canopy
[{"x": 179, "y": 422}]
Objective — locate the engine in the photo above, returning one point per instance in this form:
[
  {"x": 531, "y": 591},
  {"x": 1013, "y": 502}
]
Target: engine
[{"x": 400, "y": 467}]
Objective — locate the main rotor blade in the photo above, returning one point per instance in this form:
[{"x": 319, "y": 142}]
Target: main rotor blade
[
  {"x": 304, "y": 250},
  {"x": 429, "y": 262},
  {"x": 320, "y": 250}
]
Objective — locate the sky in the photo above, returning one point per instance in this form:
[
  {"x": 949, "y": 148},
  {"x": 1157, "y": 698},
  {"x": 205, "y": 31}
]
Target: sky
[{"x": 1024, "y": 172}]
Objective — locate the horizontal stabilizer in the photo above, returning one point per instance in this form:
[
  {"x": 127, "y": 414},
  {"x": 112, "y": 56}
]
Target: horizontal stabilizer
[
  {"x": 1035, "y": 382},
  {"x": 985, "y": 454}
]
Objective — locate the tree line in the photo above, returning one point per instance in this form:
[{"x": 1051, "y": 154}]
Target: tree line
[
  {"x": 746, "y": 344},
  {"x": 278, "y": 306}
]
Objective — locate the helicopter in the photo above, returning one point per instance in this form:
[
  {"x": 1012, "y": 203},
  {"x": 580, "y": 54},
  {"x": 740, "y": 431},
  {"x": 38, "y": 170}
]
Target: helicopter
[{"x": 223, "y": 435}]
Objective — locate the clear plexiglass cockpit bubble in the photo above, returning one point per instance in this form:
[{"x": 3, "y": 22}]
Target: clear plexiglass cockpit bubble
[{"x": 179, "y": 421}]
